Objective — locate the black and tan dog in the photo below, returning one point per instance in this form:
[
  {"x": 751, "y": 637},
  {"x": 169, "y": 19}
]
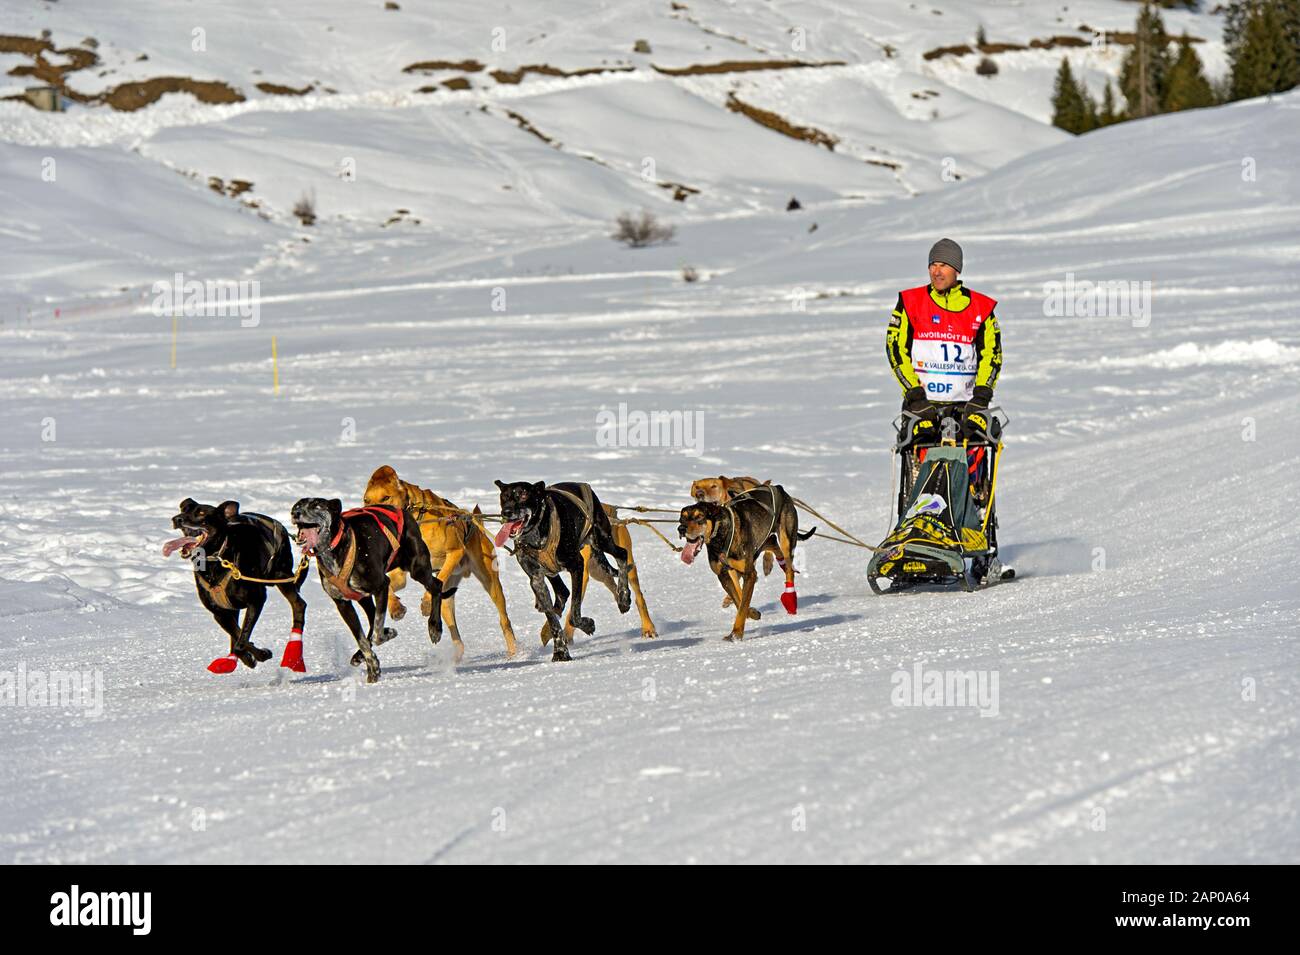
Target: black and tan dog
[
  {"x": 458, "y": 546},
  {"x": 551, "y": 526},
  {"x": 355, "y": 551},
  {"x": 720, "y": 490},
  {"x": 758, "y": 521},
  {"x": 257, "y": 547}
]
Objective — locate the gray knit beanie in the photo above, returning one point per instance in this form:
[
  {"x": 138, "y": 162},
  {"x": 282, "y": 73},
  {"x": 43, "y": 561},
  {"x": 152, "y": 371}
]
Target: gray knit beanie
[{"x": 946, "y": 251}]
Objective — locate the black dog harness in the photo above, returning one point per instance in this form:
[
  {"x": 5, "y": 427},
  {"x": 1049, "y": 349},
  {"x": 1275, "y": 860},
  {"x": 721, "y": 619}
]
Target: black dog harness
[
  {"x": 770, "y": 507},
  {"x": 585, "y": 504}
]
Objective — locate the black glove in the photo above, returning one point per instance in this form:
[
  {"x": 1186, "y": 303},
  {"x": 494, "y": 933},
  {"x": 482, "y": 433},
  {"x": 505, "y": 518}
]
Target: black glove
[
  {"x": 926, "y": 425},
  {"x": 917, "y": 402},
  {"x": 975, "y": 416}
]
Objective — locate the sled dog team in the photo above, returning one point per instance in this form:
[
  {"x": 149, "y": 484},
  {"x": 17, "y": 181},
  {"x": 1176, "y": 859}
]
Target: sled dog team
[{"x": 364, "y": 556}]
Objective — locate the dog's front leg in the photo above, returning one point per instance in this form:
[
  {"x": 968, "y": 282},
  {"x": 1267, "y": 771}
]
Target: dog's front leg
[
  {"x": 364, "y": 653},
  {"x": 742, "y": 604},
  {"x": 578, "y": 579},
  {"x": 378, "y": 632},
  {"x": 542, "y": 595},
  {"x": 561, "y": 593},
  {"x": 730, "y": 581},
  {"x": 422, "y": 571},
  {"x": 726, "y": 578},
  {"x": 228, "y": 620},
  {"x": 559, "y": 602},
  {"x": 396, "y": 581},
  {"x": 251, "y": 613}
]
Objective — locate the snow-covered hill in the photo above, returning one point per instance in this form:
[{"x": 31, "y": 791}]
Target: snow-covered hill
[
  {"x": 1141, "y": 671},
  {"x": 552, "y": 121}
]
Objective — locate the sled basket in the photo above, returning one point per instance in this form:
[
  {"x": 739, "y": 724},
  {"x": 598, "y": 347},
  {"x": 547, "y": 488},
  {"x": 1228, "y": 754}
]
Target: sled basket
[{"x": 941, "y": 525}]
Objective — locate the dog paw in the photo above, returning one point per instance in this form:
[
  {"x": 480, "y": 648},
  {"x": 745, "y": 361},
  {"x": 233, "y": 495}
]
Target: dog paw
[
  {"x": 386, "y": 634},
  {"x": 754, "y": 614},
  {"x": 649, "y": 634},
  {"x": 397, "y": 610},
  {"x": 586, "y": 625},
  {"x": 358, "y": 658},
  {"x": 726, "y": 601},
  {"x": 561, "y": 655},
  {"x": 372, "y": 674}
]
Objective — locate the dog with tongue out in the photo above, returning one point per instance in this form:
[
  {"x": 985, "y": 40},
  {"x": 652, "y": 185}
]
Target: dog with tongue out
[
  {"x": 761, "y": 520},
  {"x": 549, "y": 527},
  {"x": 219, "y": 540}
]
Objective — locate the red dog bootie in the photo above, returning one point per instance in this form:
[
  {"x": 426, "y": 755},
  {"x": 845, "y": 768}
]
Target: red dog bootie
[
  {"x": 224, "y": 664},
  {"x": 293, "y": 654},
  {"x": 790, "y": 600}
]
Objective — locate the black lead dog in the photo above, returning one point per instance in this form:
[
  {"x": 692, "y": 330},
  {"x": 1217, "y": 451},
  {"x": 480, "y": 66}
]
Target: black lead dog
[
  {"x": 550, "y": 526},
  {"x": 258, "y": 546},
  {"x": 354, "y": 551}
]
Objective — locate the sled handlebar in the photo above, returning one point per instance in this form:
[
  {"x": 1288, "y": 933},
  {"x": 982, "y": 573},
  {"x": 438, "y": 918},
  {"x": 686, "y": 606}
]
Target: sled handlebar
[{"x": 906, "y": 420}]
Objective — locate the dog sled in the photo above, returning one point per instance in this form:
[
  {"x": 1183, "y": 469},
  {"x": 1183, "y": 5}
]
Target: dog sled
[{"x": 945, "y": 530}]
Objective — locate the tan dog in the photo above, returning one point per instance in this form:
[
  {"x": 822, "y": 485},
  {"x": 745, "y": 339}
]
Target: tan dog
[
  {"x": 458, "y": 547},
  {"x": 720, "y": 490}
]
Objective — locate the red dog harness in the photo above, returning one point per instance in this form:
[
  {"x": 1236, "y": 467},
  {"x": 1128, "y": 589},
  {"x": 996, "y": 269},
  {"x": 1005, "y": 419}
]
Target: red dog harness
[{"x": 380, "y": 513}]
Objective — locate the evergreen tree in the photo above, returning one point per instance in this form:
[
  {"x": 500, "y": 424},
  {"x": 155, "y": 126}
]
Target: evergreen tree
[
  {"x": 1264, "y": 60},
  {"x": 1109, "y": 113},
  {"x": 1069, "y": 111},
  {"x": 1144, "y": 76},
  {"x": 1290, "y": 11},
  {"x": 1188, "y": 88},
  {"x": 1090, "y": 118}
]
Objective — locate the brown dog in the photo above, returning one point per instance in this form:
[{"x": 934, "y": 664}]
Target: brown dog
[
  {"x": 720, "y": 490},
  {"x": 735, "y": 534},
  {"x": 458, "y": 546}
]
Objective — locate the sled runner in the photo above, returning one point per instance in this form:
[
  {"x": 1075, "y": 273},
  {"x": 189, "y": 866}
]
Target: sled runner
[{"x": 946, "y": 512}]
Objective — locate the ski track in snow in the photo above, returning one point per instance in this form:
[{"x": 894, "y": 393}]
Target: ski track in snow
[{"x": 1120, "y": 689}]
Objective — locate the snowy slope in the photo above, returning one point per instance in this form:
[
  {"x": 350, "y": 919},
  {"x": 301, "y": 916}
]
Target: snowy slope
[
  {"x": 596, "y": 128},
  {"x": 1146, "y": 659}
]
